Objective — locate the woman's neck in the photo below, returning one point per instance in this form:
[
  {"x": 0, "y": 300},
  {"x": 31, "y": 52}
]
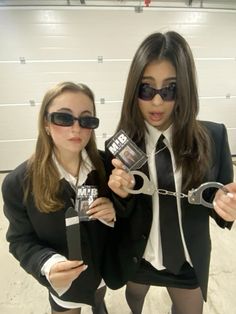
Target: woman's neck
[{"x": 70, "y": 162}]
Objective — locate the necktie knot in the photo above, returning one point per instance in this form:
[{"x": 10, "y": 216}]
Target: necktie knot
[{"x": 160, "y": 143}]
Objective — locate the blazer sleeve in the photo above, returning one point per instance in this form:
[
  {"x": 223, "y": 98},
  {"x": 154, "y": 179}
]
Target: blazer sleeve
[
  {"x": 223, "y": 167},
  {"x": 24, "y": 244}
]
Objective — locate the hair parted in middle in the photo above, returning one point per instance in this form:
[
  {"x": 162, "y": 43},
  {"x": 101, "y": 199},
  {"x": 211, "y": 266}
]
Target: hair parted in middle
[{"x": 190, "y": 139}]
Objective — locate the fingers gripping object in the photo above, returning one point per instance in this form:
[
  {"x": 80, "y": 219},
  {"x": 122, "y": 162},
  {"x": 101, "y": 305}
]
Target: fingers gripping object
[
  {"x": 195, "y": 196},
  {"x": 148, "y": 186}
]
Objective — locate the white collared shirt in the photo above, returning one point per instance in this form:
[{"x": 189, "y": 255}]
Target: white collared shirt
[
  {"x": 85, "y": 168},
  {"x": 153, "y": 251}
]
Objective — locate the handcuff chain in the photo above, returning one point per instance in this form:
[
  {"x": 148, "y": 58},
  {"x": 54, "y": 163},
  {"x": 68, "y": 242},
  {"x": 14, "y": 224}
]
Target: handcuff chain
[
  {"x": 163, "y": 191},
  {"x": 175, "y": 194}
]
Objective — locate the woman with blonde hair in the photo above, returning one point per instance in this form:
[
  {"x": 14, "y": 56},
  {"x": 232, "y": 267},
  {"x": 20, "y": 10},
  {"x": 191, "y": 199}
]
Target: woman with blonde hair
[{"x": 38, "y": 193}]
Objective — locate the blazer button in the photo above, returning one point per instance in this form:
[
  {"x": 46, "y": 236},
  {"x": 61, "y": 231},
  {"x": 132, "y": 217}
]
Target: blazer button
[
  {"x": 135, "y": 259},
  {"x": 144, "y": 237}
]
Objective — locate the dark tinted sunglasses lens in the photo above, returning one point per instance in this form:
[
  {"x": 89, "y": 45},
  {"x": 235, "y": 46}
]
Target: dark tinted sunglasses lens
[
  {"x": 168, "y": 93},
  {"x": 146, "y": 92},
  {"x": 62, "y": 119},
  {"x": 89, "y": 122}
]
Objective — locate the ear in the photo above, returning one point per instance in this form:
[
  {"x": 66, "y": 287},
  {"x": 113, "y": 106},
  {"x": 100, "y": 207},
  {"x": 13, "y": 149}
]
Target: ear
[{"x": 47, "y": 131}]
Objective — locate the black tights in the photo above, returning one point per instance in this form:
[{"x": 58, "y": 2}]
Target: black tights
[
  {"x": 72, "y": 311},
  {"x": 184, "y": 301},
  {"x": 99, "y": 298}
]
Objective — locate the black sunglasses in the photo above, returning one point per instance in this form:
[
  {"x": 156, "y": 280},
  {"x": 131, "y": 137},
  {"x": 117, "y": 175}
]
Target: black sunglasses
[
  {"x": 67, "y": 119},
  {"x": 146, "y": 92}
]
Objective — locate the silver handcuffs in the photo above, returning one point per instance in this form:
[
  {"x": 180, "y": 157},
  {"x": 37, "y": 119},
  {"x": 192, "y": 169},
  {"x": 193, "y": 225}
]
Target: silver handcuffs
[{"x": 194, "y": 196}]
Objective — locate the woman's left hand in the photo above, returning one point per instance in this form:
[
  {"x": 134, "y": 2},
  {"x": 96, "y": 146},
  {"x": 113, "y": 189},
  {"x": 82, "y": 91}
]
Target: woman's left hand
[
  {"x": 102, "y": 208},
  {"x": 225, "y": 203}
]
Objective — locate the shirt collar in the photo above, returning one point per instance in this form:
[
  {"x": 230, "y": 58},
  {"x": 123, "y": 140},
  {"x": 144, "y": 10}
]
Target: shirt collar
[{"x": 153, "y": 135}]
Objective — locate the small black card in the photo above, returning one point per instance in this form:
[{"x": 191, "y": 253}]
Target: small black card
[
  {"x": 86, "y": 194},
  {"x": 123, "y": 148}
]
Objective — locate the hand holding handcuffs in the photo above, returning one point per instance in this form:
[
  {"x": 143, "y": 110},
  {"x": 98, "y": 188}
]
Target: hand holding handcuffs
[
  {"x": 121, "y": 144},
  {"x": 194, "y": 196}
]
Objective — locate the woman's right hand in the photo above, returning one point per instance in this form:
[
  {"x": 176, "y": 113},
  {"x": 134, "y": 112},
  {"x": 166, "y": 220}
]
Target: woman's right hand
[
  {"x": 120, "y": 178},
  {"x": 62, "y": 274}
]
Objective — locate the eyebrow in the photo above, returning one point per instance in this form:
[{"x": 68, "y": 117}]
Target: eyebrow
[
  {"x": 172, "y": 78},
  {"x": 68, "y": 109}
]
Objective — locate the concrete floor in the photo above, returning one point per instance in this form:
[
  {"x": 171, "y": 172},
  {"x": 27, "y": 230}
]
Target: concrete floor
[{"x": 21, "y": 294}]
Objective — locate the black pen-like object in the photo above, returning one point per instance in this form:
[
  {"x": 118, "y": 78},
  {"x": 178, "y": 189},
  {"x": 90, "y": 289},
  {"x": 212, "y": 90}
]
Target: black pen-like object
[{"x": 73, "y": 234}]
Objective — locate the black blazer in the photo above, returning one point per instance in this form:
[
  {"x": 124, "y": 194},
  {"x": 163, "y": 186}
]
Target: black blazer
[
  {"x": 35, "y": 236},
  {"x": 134, "y": 219}
]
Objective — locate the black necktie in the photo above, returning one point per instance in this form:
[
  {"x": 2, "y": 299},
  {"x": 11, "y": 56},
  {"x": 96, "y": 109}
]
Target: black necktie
[{"x": 172, "y": 247}]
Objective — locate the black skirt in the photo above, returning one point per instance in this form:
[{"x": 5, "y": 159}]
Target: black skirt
[{"x": 149, "y": 275}]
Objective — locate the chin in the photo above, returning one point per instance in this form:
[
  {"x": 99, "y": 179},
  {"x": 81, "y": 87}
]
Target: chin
[
  {"x": 156, "y": 125},
  {"x": 76, "y": 150}
]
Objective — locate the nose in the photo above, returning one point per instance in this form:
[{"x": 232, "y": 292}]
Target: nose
[
  {"x": 157, "y": 100},
  {"x": 76, "y": 126}
]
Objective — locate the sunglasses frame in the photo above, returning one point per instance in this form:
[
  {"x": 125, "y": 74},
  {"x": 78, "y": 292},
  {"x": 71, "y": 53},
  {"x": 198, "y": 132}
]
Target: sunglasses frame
[
  {"x": 86, "y": 122},
  {"x": 171, "y": 88}
]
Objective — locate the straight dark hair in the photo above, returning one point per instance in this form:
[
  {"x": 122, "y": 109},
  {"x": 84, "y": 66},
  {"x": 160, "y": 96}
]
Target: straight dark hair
[{"x": 191, "y": 143}]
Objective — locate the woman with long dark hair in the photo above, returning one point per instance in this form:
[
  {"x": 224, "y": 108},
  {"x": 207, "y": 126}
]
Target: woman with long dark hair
[{"x": 162, "y": 239}]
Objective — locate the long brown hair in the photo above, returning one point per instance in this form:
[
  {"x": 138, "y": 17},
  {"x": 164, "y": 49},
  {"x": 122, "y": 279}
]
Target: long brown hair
[
  {"x": 42, "y": 178},
  {"x": 190, "y": 139}
]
